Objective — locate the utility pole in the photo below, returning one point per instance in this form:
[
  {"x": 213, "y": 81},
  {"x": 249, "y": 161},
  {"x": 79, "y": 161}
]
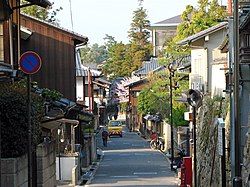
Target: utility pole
[{"x": 237, "y": 180}]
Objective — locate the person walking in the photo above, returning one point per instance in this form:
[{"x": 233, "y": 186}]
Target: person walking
[{"x": 105, "y": 135}]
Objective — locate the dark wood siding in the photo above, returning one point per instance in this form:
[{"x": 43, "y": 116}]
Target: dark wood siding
[{"x": 56, "y": 48}]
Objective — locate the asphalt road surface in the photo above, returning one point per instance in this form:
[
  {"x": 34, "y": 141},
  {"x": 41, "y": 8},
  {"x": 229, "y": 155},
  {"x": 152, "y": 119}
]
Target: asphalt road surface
[{"x": 128, "y": 161}]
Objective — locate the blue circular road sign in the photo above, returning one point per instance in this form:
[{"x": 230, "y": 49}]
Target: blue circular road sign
[{"x": 30, "y": 62}]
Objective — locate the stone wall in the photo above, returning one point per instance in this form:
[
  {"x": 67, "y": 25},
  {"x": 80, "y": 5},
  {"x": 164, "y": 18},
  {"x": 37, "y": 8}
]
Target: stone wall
[
  {"x": 246, "y": 163},
  {"x": 46, "y": 165},
  {"x": 208, "y": 158}
]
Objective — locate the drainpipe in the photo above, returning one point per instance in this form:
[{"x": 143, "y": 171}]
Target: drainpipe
[
  {"x": 229, "y": 7},
  {"x": 11, "y": 43},
  {"x": 73, "y": 137}
]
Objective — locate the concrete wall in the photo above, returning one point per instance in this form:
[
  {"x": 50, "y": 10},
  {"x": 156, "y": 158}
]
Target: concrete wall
[
  {"x": 15, "y": 170},
  {"x": 46, "y": 165}
]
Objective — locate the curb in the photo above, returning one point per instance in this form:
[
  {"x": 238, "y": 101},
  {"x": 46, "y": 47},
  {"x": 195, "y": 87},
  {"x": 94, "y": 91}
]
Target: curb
[{"x": 93, "y": 172}]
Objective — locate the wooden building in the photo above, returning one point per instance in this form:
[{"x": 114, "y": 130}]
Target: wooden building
[
  {"x": 134, "y": 120},
  {"x": 56, "y": 47}
]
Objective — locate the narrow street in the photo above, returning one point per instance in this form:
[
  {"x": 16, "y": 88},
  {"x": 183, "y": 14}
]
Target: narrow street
[{"x": 128, "y": 161}]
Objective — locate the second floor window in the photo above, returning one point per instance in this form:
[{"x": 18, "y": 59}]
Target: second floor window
[{"x": 1, "y": 44}]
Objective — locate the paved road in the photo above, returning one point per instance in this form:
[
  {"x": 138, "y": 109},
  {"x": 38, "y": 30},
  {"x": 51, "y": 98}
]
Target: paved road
[{"x": 129, "y": 161}]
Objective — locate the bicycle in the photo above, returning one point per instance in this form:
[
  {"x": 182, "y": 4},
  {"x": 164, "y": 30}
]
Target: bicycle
[{"x": 157, "y": 144}]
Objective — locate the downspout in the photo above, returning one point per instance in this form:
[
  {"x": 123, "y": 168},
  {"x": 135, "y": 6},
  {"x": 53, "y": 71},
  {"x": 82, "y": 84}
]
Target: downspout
[
  {"x": 18, "y": 33},
  {"x": 11, "y": 43},
  {"x": 208, "y": 76},
  {"x": 73, "y": 137}
]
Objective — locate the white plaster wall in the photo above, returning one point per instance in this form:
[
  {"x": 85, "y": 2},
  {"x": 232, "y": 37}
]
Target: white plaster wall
[
  {"x": 216, "y": 77},
  {"x": 199, "y": 66},
  {"x": 218, "y": 80},
  {"x": 79, "y": 88},
  {"x": 219, "y": 63},
  {"x": 67, "y": 164},
  {"x": 167, "y": 135},
  {"x": 206, "y": 66}
]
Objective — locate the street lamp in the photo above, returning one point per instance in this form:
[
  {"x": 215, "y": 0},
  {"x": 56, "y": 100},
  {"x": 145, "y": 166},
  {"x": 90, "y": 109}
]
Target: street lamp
[
  {"x": 194, "y": 98},
  {"x": 172, "y": 68}
]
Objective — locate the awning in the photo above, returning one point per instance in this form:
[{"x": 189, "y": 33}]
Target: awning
[
  {"x": 148, "y": 117},
  {"x": 52, "y": 125},
  {"x": 155, "y": 118}
]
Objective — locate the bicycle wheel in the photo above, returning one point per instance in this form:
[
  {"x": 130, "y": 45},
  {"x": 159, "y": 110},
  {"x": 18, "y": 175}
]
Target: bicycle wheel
[{"x": 153, "y": 144}]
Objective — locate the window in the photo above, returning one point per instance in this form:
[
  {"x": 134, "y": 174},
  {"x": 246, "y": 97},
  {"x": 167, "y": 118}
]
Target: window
[
  {"x": 1, "y": 44},
  {"x": 247, "y": 41}
]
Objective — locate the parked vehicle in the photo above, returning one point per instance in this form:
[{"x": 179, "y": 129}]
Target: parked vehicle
[
  {"x": 157, "y": 142},
  {"x": 115, "y": 128},
  {"x": 179, "y": 160}
]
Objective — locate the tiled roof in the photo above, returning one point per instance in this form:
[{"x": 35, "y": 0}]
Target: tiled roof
[
  {"x": 148, "y": 66},
  {"x": 82, "y": 71},
  {"x": 203, "y": 33},
  {"x": 82, "y": 38},
  {"x": 136, "y": 82},
  {"x": 173, "y": 20}
]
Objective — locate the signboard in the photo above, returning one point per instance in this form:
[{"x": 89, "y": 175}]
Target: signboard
[
  {"x": 220, "y": 136},
  {"x": 30, "y": 62}
]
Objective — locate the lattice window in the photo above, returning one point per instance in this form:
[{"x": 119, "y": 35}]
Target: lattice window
[
  {"x": 247, "y": 41},
  {"x": 1, "y": 44}
]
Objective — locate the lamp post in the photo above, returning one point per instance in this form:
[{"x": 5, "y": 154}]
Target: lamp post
[
  {"x": 171, "y": 68},
  {"x": 194, "y": 98}
]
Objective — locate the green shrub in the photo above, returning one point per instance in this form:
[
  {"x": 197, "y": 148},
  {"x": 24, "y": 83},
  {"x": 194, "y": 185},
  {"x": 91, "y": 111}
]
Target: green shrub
[{"x": 14, "y": 119}]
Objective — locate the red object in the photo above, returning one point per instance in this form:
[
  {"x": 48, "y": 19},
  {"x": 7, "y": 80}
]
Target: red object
[
  {"x": 186, "y": 172},
  {"x": 153, "y": 136}
]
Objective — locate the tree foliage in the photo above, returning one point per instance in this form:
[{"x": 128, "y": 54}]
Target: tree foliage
[
  {"x": 94, "y": 54},
  {"x": 194, "y": 20},
  {"x": 48, "y": 14},
  {"x": 123, "y": 59},
  {"x": 14, "y": 117},
  {"x": 155, "y": 97},
  {"x": 208, "y": 13}
]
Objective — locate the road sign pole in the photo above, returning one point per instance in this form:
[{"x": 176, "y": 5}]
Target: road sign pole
[{"x": 29, "y": 132}]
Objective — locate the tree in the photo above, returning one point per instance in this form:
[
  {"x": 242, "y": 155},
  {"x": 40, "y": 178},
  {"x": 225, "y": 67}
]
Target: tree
[
  {"x": 115, "y": 64},
  {"x": 207, "y": 14},
  {"x": 139, "y": 36},
  {"x": 123, "y": 59},
  {"x": 48, "y": 15},
  {"x": 94, "y": 54},
  {"x": 155, "y": 97},
  {"x": 194, "y": 20}
]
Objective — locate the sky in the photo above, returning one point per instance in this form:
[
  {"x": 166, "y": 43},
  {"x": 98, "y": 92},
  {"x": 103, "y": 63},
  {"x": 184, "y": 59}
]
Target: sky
[{"x": 96, "y": 18}]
